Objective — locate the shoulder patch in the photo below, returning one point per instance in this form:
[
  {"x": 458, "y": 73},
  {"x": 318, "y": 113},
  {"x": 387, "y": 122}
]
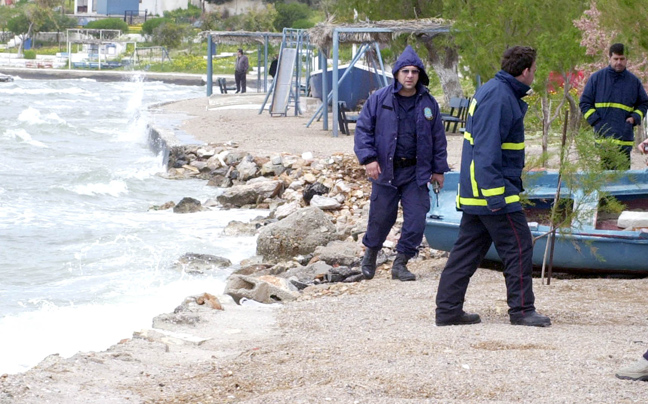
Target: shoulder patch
[{"x": 428, "y": 113}]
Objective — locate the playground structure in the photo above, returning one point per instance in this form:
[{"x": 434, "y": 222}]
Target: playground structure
[
  {"x": 287, "y": 86},
  {"x": 95, "y": 48}
]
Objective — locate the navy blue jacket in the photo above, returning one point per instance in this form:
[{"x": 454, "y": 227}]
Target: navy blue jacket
[
  {"x": 609, "y": 99},
  {"x": 376, "y": 131},
  {"x": 492, "y": 158}
]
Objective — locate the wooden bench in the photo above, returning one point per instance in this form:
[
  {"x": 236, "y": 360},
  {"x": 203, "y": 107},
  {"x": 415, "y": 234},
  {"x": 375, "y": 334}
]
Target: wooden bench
[
  {"x": 222, "y": 85},
  {"x": 458, "y": 113},
  {"x": 345, "y": 119}
]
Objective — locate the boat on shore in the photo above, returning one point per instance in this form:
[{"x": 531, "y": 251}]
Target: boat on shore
[
  {"x": 356, "y": 86},
  {"x": 596, "y": 241}
]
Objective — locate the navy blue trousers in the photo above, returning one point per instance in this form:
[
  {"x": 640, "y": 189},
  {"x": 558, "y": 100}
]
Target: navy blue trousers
[
  {"x": 513, "y": 242},
  {"x": 383, "y": 211}
]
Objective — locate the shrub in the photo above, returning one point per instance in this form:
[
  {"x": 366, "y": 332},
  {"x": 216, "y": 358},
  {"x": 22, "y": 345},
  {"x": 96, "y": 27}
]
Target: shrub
[
  {"x": 108, "y": 23},
  {"x": 29, "y": 54},
  {"x": 150, "y": 25}
]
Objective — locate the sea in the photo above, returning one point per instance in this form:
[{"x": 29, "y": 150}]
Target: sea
[{"x": 84, "y": 261}]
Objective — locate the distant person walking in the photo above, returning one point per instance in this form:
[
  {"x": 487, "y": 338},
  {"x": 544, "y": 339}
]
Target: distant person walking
[
  {"x": 240, "y": 71},
  {"x": 614, "y": 101},
  {"x": 273, "y": 67}
]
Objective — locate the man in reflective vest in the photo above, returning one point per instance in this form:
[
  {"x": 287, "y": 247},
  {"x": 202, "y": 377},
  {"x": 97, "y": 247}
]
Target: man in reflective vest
[
  {"x": 614, "y": 102},
  {"x": 489, "y": 195}
]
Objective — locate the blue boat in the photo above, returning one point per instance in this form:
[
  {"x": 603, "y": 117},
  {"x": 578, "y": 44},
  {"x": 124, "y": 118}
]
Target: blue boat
[
  {"x": 593, "y": 243},
  {"x": 356, "y": 86}
]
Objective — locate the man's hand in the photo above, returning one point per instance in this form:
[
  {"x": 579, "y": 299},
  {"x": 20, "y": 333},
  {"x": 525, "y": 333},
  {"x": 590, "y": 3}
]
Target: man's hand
[
  {"x": 373, "y": 170},
  {"x": 643, "y": 146},
  {"x": 630, "y": 120},
  {"x": 438, "y": 178}
]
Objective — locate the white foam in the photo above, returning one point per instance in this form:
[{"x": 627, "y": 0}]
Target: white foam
[
  {"x": 113, "y": 188},
  {"x": 27, "y": 338},
  {"x": 24, "y": 136}
]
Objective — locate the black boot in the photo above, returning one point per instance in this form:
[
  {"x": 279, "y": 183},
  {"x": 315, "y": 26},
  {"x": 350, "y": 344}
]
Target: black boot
[
  {"x": 369, "y": 263},
  {"x": 399, "y": 269}
]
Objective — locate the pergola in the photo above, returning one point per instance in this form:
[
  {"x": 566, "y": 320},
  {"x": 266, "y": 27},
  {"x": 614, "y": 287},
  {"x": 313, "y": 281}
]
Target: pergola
[
  {"x": 328, "y": 35},
  {"x": 237, "y": 38}
]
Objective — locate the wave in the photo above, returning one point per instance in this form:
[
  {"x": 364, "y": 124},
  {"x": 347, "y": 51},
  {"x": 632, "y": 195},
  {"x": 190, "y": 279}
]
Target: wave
[
  {"x": 43, "y": 91},
  {"x": 22, "y": 135},
  {"x": 113, "y": 188},
  {"x": 32, "y": 116}
]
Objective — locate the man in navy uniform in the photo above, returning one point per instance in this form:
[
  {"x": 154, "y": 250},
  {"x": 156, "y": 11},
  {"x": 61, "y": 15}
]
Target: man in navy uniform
[
  {"x": 400, "y": 140},
  {"x": 614, "y": 102},
  {"x": 490, "y": 184}
]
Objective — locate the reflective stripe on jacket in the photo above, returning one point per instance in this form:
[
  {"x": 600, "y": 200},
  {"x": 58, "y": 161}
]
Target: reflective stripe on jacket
[
  {"x": 609, "y": 99},
  {"x": 493, "y": 151}
]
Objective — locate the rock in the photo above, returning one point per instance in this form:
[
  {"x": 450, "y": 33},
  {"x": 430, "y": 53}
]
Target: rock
[
  {"x": 325, "y": 202},
  {"x": 236, "y": 228},
  {"x": 340, "y": 253},
  {"x": 193, "y": 263},
  {"x": 248, "y": 194},
  {"x": 314, "y": 189},
  {"x": 254, "y": 270},
  {"x": 188, "y": 205},
  {"x": 309, "y": 178},
  {"x": 286, "y": 210},
  {"x": 299, "y": 233},
  {"x": 241, "y": 286},
  {"x": 247, "y": 169},
  {"x": 164, "y": 206}
]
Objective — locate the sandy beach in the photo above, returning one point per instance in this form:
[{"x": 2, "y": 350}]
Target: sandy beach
[{"x": 368, "y": 342}]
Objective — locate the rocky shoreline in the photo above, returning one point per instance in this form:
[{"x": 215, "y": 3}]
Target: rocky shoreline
[{"x": 318, "y": 212}]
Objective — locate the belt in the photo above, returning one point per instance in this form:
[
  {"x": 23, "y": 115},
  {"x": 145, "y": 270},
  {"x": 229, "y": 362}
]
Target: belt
[{"x": 403, "y": 162}]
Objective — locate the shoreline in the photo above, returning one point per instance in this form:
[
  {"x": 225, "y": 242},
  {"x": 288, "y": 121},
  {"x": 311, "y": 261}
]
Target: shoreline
[{"x": 367, "y": 342}]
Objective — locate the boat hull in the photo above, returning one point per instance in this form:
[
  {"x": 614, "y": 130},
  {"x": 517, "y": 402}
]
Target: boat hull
[
  {"x": 582, "y": 248},
  {"x": 354, "y": 89}
]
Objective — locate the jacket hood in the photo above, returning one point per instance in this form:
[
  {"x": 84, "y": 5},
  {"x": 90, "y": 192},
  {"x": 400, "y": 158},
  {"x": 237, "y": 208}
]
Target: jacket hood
[{"x": 410, "y": 58}]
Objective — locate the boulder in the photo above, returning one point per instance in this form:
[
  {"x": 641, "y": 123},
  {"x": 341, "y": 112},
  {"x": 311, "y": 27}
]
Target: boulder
[
  {"x": 236, "y": 228},
  {"x": 248, "y": 194},
  {"x": 299, "y": 233},
  {"x": 188, "y": 205},
  {"x": 193, "y": 263},
  {"x": 340, "y": 253},
  {"x": 311, "y": 190},
  {"x": 268, "y": 290},
  {"x": 325, "y": 202}
]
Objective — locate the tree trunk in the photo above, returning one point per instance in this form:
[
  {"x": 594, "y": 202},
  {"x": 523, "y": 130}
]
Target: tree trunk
[
  {"x": 444, "y": 60},
  {"x": 546, "y": 124}
]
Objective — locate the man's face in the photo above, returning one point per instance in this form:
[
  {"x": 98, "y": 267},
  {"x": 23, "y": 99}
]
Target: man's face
[
  {"x": 528, "y": 75},
  {"x": 408, "y": 76},
  {"x": 618, "y": 62}
]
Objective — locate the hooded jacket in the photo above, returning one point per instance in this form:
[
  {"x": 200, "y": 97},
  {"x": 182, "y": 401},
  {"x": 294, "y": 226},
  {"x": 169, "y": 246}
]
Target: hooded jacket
[
  {"x": 609, "y": 99},
  {"x": 376, "y": 132},
  {"x": 492, "y": 158}
]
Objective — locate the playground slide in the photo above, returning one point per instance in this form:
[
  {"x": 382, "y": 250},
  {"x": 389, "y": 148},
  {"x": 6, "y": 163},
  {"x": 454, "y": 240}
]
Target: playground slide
[{"x": 283, "y": 82}]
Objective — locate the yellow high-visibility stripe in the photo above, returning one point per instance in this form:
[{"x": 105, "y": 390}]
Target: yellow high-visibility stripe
[
  {"x": 613, "y": 105},
  {"x": 482, "y": 202},
  {"x": 471, "y": 108},
  {"x": 468, "y": 137},
  {"x": 493, "y": 191},
  {"x": 636, "y": 111},
  {"x": 513, "y": 146},
  {"x": 473, "y": 180},
  {"x": 589, "y": 112},
  {"x": 505, "y": 146},
  {"x": 616, "y": 141}
]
